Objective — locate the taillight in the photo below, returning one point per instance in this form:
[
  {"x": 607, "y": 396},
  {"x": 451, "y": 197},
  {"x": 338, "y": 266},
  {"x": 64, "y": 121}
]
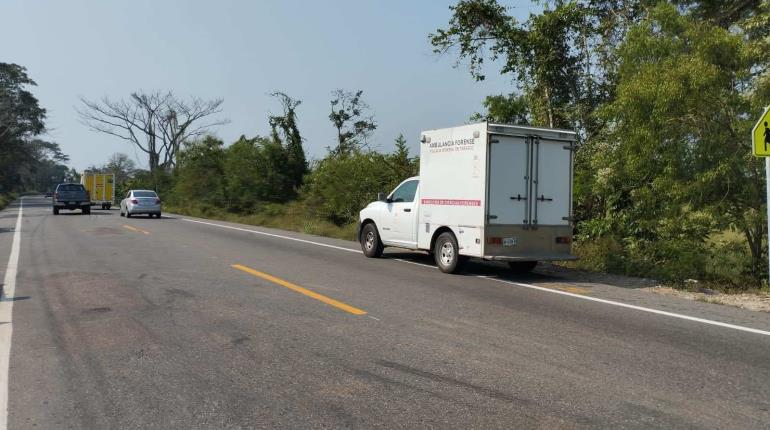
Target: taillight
[
  {"x": 495, "y": 240},
  {"x": 134, "y": 201},
  {"x": 157, "y": 201},
  {"x": 56, "y": 195},
  {"x": 564, "y": 240}
]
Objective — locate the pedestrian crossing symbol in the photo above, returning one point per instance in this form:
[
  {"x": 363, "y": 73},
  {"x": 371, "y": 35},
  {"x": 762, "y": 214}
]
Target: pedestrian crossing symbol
[{"x": 760, "y": 135}]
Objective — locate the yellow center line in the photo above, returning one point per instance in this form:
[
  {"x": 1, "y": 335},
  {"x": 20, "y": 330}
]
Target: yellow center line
[
  {"x": 297, "y": 288},
  {"x": 138, "y": 230}
]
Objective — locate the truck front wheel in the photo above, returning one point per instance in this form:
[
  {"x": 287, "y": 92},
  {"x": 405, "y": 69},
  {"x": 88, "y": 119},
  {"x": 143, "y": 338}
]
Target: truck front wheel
[
  {"x": 370, "y": 241},
  {"x": 447, "y": 253}
]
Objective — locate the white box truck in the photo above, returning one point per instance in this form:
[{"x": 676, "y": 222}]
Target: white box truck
[{"x": 491, "y": 191}]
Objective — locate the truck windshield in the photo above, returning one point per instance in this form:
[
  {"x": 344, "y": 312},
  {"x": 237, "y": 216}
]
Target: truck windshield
[{"x": 405, "y": 193}]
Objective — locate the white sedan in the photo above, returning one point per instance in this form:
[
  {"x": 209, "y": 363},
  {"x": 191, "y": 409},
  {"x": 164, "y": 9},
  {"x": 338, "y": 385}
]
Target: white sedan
[{"x": 140, "y": 202}]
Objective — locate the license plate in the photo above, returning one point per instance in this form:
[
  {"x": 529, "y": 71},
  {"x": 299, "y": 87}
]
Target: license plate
[{"x": 509, "y": 241}]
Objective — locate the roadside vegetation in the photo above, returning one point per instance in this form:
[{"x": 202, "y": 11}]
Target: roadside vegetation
[
  {"x": 27, "y": 162},
  {"x": 663, "y": 95}
]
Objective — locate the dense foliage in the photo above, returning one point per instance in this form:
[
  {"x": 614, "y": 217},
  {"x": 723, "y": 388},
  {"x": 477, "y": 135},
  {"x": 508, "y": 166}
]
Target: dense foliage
[
  {"x": 663, "y": 95},
  {"x": 27, "y": 163}
]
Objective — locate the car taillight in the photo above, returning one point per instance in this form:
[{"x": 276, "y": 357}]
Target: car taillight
[
  {"x": 56, "y": 195},
  {"x": 157, "y": 201},
  {"x": 495, "y": 240},
  {"x": 135, "y": 201},
  {"x": 564, "y": 240}
]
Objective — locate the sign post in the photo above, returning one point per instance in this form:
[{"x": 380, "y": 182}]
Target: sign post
[{"x": 760, "y": 144}]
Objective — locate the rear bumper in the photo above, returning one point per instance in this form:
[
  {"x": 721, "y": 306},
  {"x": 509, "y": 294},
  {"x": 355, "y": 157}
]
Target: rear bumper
[
  {"x": 141, "y": 209},
  {"x": 71, "y": 205},
  {"x": 533, "y": 257}
]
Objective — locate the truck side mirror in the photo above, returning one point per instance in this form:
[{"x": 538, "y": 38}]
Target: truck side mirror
[{"x": 382, "y": 197}]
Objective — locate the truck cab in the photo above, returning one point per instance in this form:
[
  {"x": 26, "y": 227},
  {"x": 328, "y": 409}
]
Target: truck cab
[
  {"x": 490, "y": 191},
  {"x": 396, "y": 215}
]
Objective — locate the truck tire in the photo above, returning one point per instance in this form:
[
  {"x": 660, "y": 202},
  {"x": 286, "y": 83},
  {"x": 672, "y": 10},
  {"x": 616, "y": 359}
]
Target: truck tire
[
  {"x": 370, "y": 241},
  {"x": 522, "y": 266},
  {"x": 447, "y": 253},
  {"x": 87, "y": 210},
  {"x": 56, "y": 211}
]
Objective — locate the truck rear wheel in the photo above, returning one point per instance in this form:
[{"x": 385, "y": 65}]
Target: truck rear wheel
[
  {"x": 56, "y": 211},
  {"x": 370, "y": 241},
  {"x": 522, "y": 266},
  {"x": 447, "y": 253}
]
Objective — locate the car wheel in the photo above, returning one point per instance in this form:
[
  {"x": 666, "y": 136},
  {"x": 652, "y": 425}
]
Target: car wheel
[
  {"x": 370, "y": 241},
  {"x": 522, "y": 266},
  {"x": 128, "y": 214},
  {"x": 158, "y": 215},
  {"x": 86, "y": 211},
  {"x": 55, "y": 211},
  {"x": 446, "y": 253}
]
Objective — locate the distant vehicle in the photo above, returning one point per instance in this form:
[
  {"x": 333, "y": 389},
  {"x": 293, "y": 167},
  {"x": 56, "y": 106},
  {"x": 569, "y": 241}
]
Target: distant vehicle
[
  {"x": 101, "y": 187},
  {"x": 140, "y": 202},
  {"x": 492, "y": 191},
  {"x": 71, "y": 196}
]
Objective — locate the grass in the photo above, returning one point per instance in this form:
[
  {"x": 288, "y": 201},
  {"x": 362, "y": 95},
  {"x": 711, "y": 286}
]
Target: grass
[
  {"x": 291, "y": 217},
  {"x": 5, "y": 199}
]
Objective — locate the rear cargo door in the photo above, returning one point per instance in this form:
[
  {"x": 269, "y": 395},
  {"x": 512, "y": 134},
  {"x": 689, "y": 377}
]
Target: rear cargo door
[
  {"x": 509, "y": 162},
  {"x": 98, "y": 193},
  {"x": 552, "y": 181}
]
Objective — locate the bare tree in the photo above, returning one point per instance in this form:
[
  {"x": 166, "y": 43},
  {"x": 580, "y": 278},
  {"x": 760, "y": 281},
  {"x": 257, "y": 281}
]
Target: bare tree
[
  {"x": 351, "y": 117},
  {"x": 157, "y": 123}
]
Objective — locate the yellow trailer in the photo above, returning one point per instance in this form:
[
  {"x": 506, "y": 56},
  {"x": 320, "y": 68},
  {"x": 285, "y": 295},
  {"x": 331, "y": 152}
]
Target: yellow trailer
[{"x": 101, "y": 188}]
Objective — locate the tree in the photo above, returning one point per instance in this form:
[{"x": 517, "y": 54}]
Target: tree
[
  {"x": 285, "y": 132},
  {"x": 157, "y": 123},
  {"x": 402, "y": 164},
  {"x": 352, "y": 120},
  {"x": 121, "y": 166},
  {"x": 675, "y": 165},
  {"x": 502, "y": 109},
  {"x": 201, "y": 175},
  {"x": 21, "y": 120}
]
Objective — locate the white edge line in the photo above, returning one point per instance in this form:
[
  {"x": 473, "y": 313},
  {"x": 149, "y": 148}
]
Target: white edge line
[
  {"x": 6, "y": 313},
  {"x": 275, "y": 235},
  {"x": 414, "y": 262},
  {"x": 625, "y": 305},
  {"x": 534, "y": 287}
]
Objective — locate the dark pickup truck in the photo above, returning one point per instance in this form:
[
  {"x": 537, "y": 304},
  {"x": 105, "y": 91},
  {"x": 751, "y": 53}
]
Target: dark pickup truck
[{"x": 71, "y": 196}]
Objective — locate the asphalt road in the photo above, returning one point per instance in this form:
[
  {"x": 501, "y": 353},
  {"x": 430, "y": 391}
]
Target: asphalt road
[{"x": 173, "y": 323}]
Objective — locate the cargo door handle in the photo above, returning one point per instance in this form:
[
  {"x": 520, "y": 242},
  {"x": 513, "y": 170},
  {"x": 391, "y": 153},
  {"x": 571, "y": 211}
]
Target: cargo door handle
[
  {"x": 518, "y": 198},
  {"x": 543, "y": 198},
  {"x": 407, "y": 209}
]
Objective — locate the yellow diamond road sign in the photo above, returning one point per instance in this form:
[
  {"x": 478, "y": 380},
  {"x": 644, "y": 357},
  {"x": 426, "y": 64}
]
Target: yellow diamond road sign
[{"x": 760, "y": 135}]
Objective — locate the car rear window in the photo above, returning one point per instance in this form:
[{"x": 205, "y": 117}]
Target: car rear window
[
  {"x": 71, "y": 187},
  {"x": 145, "y": 194}
]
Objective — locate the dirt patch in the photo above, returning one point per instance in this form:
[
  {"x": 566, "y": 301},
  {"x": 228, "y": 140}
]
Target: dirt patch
[{"x": 750, "y": 301}]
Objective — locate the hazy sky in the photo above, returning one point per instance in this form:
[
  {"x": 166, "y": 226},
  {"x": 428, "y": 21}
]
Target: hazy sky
[{"x": 241, "y": 51}]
